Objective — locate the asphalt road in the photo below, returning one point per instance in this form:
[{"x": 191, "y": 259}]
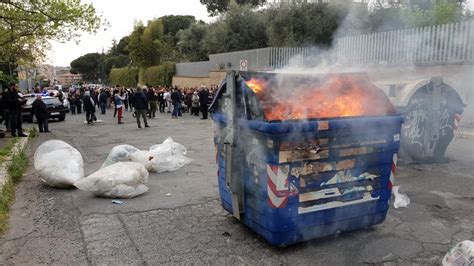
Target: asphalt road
[{"x": 68, "y": 226}]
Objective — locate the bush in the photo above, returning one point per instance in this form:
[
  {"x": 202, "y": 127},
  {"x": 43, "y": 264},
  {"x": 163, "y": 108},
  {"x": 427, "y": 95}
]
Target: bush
[
  {"x": 126, "y": 76},
  {"x": 159, "y": 75}
]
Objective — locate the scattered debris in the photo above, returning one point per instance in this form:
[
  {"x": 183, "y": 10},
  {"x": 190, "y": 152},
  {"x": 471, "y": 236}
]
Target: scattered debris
[
  {"x": 401, "y": 200},
  {"x": 461, "y": 254}
]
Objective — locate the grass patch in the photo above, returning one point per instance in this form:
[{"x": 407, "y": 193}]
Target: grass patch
[
  {"x": 16, "y": 170},
  {"x": 7, "y": 149},
  {"x": 32, "y": 133}
]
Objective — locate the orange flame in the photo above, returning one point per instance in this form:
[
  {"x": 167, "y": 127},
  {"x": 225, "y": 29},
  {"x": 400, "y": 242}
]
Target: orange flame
[
  {"x": 256, "y": 85},
  {"x": 338, "y": 95}
]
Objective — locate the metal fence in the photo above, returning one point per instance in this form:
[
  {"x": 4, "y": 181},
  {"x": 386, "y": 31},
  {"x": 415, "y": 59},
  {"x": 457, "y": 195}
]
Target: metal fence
[
  {"x": 448, "y": 43},
  {"x": 436, "y": 44}
]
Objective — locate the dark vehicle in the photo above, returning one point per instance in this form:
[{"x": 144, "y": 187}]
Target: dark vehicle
[{"x": 55, "y": 107}]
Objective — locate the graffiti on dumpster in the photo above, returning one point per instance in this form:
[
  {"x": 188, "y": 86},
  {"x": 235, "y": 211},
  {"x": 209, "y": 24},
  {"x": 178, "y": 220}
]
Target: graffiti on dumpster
[
  {"x": 444, "y": 123},
  {"x": 414, "y": 128}
]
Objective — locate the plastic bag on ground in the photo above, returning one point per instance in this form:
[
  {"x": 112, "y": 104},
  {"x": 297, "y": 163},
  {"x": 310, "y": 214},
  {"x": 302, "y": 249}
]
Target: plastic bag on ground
[
  {"x": 461, "y": 254},
  {"x": 168, "y": 156},
  {"x": 119, "y": 180},
  {"x": 142, "y": 157},
  {"x": 120, "y": 153},
  {"x": 401, "y": 200},
  {"x": 58, "y": 164},
  {"x": 169, "y": 147}
]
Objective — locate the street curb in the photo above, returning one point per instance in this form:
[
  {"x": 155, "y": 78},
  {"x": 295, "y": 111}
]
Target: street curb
[
  {"x": 17, "y": 148},
  {"x": 465, "y": 133}
]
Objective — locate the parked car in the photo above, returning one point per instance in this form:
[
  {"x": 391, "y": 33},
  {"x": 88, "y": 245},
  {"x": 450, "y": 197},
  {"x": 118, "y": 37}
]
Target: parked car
[{"x": 55, "y": 107}]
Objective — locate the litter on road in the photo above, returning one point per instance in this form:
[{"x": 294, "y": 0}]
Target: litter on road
[
  {"x": 461, "y": 254},
  {"x": 120, "y": 180},
  {"x": 401, "y": 200},
  {"x": 58, "y": 164}
]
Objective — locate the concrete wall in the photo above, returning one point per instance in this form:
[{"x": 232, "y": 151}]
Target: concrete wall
[
  {"x": 213, "y": 78},
  {"x": 194, "y": 69}
]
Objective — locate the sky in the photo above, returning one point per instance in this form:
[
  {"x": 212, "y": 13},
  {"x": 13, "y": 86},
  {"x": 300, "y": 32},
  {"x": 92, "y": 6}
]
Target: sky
[{"x": 121, "y": 16}]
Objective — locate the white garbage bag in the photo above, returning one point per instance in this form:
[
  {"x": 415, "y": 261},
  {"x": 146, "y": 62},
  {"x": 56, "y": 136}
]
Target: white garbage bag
[
  {"x": 119, "y": 180},
  {"x": 169, "y": 146},
  {"x": 401, "y": 200},
  {"x": 142, "y": 157},
  {"x": 168, "y": 156},
  {"x": 58, "y": 164},
  {"x": 120, "y": 153},
  {"x": 461, "y": 254}
]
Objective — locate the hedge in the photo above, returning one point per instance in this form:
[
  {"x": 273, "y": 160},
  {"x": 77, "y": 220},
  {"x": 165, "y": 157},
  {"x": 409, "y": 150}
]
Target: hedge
[
  {"x": 159, "y": 75},
  {"x": 126, "y": 76}
]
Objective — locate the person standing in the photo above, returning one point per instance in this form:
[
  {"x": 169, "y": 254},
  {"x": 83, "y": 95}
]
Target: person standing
[
  {"x": 119, "y": 105},
  {"x": 203, "y": 100},
  {"x": 15, "y": 103},
  {"x": 89, "y": 106},
  {"x": 161, "y": 100},
  {"x": 195, "y": 104},
  {"x": 72, "y": 103},
  {"x": 79, "y": 103},
  {"x": 153, "y": 96},
  {"x": 42, "y": 115},
  {"x": 102, "y": 101},
  {"x": 176, "y": 100},
  {"x": 125, "y": 99},
  {"x": 6, "y": 111},
  {"x": 167, "y": 97},
  {"x": 140, "y": 104}
]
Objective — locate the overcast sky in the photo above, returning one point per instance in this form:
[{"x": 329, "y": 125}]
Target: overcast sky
[{"x": 121, "y": 15}]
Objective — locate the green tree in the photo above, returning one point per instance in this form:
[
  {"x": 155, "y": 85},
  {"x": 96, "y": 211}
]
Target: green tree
[
  {"x": 172, "y": 24},
  {"x": 418, "y": 13},
  {"x": 146, "y": 43},
  {"x": 214, "y": 7},
  {"x": 26, "y": 26},
  {"x": 302, "y": 24},
  {"x": 191, "y": 42},
  {"x": 240, "y": 28},
  {"x": 89, "y": 65}
]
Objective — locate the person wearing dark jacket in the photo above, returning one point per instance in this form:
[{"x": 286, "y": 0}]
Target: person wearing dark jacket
[
  {"x": 78, "y": 103},
  {"x": 203, "y": 100},
  {"x": 15, "y": 104},
  {"x": 42, "y": 115},
  {"x": 102, "y": 101},
  {"x": 89, "y": 107},
  {"x": 140, "y": 103},
  {"x": 176, "y": 100}
]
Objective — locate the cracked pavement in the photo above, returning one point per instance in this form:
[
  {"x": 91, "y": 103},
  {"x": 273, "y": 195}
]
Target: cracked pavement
[{"x": 69, "y": 226}]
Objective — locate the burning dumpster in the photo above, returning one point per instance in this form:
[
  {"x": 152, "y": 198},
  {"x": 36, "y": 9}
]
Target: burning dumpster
[{"x": 301, "y": 157}]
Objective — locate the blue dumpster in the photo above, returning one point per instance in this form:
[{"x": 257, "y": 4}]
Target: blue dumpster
[{"x": 304, "y": 179}]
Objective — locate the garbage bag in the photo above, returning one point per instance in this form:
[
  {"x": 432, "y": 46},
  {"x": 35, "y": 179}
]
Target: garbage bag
[
  {"x": 120, "y": 153},
  {"x": 119, "y": 180},
  {"x": 142, "y": 157},
  {"x": 401, "y": 200},
  {"x": 461, "y": 254},
  {"x": 58, "y": 164},
  {"x": 168, "y": 156},
  {"x": 169, "y": 146}
]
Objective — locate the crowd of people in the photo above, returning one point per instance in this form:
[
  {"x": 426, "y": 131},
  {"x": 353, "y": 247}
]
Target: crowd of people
[{"x": 144, "y": 102}]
